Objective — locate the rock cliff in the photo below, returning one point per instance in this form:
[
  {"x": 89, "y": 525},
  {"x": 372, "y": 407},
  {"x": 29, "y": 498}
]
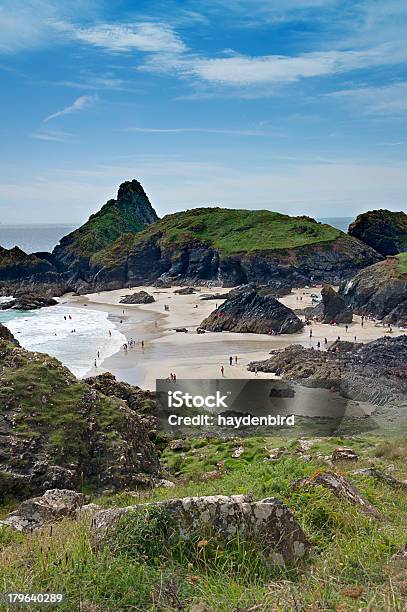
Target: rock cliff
[
  {"x": 383, "y": 230},
  {"x": 57, "y": 431}
]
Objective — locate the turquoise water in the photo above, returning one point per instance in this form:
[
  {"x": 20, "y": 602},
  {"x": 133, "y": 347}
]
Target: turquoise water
[{"x": 9, "y": 315}]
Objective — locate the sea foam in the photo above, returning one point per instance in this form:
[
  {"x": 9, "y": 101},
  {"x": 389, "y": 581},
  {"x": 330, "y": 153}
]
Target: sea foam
[{"x": 47, "y": 331}]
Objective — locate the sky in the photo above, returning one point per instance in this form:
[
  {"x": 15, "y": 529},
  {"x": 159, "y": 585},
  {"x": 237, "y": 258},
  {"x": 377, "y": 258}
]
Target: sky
[{"x": 297, "y": 106}]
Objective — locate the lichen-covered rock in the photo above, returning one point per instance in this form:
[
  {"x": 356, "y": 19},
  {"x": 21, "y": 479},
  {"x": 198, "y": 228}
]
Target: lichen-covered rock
[
  {"x": 250, "y": 312},
  {"x": 139, "y": 297},
  {"x": 59, "y": 432},
  {"x": 268, "y": 524},
  {"x": 383, "y": 230},
  {"x": 37, "y": 512}
]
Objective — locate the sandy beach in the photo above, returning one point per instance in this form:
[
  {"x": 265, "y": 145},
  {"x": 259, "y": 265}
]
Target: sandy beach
[{"x": 191, "y": 355}]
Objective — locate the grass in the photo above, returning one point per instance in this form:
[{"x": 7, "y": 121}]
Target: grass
[
  {"x": 402, "y": 265},
  {"x": 228, "y": 231},
  {"x": 104, "y": 227},
  {"x": 144, "y": 568}
]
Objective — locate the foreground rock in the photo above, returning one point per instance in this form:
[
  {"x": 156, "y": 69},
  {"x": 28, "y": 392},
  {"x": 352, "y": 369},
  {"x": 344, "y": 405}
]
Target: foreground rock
[
  {"x": 333, "y": 308},
  {"x": 57, "y": 431},
  {"x": 38, "y": 512},
  {"x": 342, "y": 488},
  {"x": 374, "y": 372},
  {"x": 7, "y": 336},
  {"x": 380, "y": 290},
  {"x": 383, "y": 230},
  {"x": 249, "y": 312},
  {"x": 139, "y": 297},
  {"x": 268, "y": 524}
]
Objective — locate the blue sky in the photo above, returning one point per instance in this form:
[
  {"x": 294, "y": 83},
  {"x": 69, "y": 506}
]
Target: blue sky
[{"x": 298, "y": 106}]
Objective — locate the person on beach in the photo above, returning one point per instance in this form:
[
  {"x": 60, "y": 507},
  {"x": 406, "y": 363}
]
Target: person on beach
[
  {"x": 142, "y": 344},
  {"x": 310, "y": 333},
  {"x": 98, "y": 354},
  {"x": 110, "y": 333},
  {"x": 318, "y": 344},
  {"x": 230, "y": 360},
  {"x": 235, "y": 359},
  {"x": 354, "y": 338},
  {"x": 96, "y": 365},
  {"x": 326, "y": 341},
  {"x": 222, "y": 370},
  {"x": 346, "y": 327},
  {"x": 255, "y": 372}
]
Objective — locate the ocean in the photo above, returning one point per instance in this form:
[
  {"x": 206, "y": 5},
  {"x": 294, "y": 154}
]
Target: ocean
[{"x": 32, "y": 238}]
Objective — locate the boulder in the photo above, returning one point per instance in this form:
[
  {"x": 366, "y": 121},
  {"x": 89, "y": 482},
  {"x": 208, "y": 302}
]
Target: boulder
[
  {"x": 333, "y": 307},
  {"x": 7, "y": 336},
  {"x": 139, "y": 297},
  {"x": 250, "y": 312},
  {"x": 185, "y": 291},
  {"x": 383, "y": 230},
  {"x": 269, "y": 524},
  {"x": 341, "y": 488},
  {"x": 344, "y": 454},
  {"x": 29, "y": 301},
  {"x": 38, "y": 512}
]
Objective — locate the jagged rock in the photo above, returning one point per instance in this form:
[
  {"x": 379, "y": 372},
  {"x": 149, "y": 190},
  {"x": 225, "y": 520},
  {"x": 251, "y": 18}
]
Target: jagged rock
[
  {"x": 268, "y": 523},
  {"x": 59, "y": 432},
  {"x": 38, "y": 512},
  {"x": 28, "y": 301},
  {"x": 383, "y": 230},
  {"x": 16, "y": 265},
  {"x": 137, "y": 399},
  {"x": 373, "y": 372},
  {"x": 389, "y": 480},
  {"x": 344, "y": 454},
  {"x": 140, "y": 297},
  {"x": 342, "y": 488},
  {"x": 379, "y": 290},
  {"x": 177, "y": 445},
  {"x": 185, "y": 291},
  {"x": 333, "y": 307},
  {"x": 130, "y": 212},
  {"x": 7, "y": 336},
  {"x": 253, "y": 313}
]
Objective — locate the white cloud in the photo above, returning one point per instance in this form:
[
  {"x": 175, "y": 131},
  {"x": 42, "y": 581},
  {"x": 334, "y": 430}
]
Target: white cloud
[
  {"x": 79, "y": 104},
  {"x": 147, "y": 130},
  {"x": 388, "y": 99},
  {"x": 146, "y": 36},
  {"x": 52, "y": 136}
]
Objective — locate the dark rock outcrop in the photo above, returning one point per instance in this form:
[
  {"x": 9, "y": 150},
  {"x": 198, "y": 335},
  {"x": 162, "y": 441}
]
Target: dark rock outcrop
[
  {"x": 28, "y": 301},
  {"x": 383, "y": 230},
  {"x": 185, "y": 291},
  {"x": 231, "y": 247},
  {"x": 7, "y": 336},
  {"x": 379, "y": 290},
  {"x": 139, "y": 297},
  {"x": 247, "y": 311},
  {"x": 333, "y": 307},
  {"x": 16, "y": 265},
  {"x": 130, "y": 212},
  {"x": 373, "y": 372},
  {"x": 59, "y": 432}
]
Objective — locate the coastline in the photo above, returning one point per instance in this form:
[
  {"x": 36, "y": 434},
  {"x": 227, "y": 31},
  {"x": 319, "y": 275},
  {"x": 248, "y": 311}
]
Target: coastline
[{"x": 191, "y": 355}]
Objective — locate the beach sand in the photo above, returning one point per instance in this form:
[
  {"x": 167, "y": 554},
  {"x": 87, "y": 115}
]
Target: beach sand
[{"x": 191, "y": 355}]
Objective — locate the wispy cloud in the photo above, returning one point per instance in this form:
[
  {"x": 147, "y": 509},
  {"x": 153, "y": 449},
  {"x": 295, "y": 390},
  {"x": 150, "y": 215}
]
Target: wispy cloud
[
  {"x": 146, "y": 36},
  {"x": 79, "y": 104},
  {"x": 52, "y": 136},
  {"x": 181, "y": 130},
  {"x": 388, "y": 99}
]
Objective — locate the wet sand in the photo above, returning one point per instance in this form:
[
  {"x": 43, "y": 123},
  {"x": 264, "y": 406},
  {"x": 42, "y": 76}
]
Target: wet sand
[{"x": 192, "y": 355}]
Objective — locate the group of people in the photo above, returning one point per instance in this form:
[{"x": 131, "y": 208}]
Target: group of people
[
  {"x": 173, "y": 377},
  {"x": 131, "y": 344}
]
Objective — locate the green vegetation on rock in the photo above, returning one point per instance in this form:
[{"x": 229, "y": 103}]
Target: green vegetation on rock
[{"x": 402, "y": 265}]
